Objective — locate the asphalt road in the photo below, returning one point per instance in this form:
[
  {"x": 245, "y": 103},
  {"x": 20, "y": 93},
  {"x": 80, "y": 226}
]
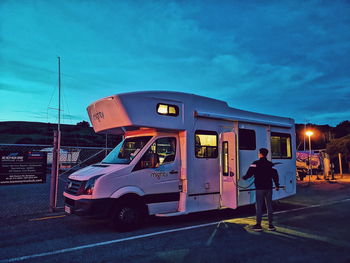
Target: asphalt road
[
  {"x": 311, "y": 227},
  {"x": 28, "y": 199}
]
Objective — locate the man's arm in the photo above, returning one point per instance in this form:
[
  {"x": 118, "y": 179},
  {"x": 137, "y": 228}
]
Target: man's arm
[
  {"x": 275, "y": 178},
  {"x": 250, "y": 172}
]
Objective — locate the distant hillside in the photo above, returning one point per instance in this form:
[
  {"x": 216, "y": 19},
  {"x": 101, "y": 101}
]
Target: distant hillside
[
  {"x": 323, "y": 134},
  {"x": 18, "y": 132}
]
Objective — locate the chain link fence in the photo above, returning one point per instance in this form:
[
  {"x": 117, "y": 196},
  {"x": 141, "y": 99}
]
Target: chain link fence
[{"x": 29, "y": 199}]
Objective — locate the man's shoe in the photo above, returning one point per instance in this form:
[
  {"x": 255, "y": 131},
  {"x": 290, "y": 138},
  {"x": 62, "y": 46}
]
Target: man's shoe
[
  {"x": 256, "y": 228},
  {"x": 272, "y": 228}
]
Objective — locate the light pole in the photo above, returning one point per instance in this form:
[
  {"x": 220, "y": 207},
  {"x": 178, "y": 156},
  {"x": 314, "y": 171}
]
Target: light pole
[
  {"x": 309, "y": 134},
  {"x": 304, "y": 135}
]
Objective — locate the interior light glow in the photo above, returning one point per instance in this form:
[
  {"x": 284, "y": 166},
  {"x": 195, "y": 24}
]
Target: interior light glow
[
  {"x": 162, "y": 109},
  {"x": 172, "y": 110}
]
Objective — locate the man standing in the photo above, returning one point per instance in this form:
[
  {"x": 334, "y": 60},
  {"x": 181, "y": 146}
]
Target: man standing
[{"x": 263, "y": 174}]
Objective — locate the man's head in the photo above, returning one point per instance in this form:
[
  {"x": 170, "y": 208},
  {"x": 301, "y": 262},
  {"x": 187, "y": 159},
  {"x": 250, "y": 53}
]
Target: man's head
[{"x": 263, "y": 152}]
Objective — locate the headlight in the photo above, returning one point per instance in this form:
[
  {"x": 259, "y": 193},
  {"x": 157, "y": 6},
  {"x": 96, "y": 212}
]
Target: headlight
[{"x": 90, "y": 184}]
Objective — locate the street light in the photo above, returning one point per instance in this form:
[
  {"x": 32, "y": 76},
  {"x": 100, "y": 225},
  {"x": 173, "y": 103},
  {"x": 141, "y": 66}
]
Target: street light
[{"x": 309, "y": 134}]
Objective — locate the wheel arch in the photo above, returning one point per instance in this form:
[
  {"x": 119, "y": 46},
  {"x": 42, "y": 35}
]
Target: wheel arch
[
  {"x": 131, "y": 195},
  {"x": 128, "y": 190}
]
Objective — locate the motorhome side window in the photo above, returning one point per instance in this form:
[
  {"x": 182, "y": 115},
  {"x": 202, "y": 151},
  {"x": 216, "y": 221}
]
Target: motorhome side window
[
  {"x": 247, "y": 139},
  {"x": 161, "y": 152},
  {"x": 206, "y": 144},
  {"x": 167, "y": 109},
  {"x": 281, "y": 147}
]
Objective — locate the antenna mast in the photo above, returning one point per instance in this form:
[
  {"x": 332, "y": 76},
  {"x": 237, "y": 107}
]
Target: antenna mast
[
  {"x": 55, "y": 168},
  {"x": 59, "y": 94},
  {"x": 58, "y": 129}
]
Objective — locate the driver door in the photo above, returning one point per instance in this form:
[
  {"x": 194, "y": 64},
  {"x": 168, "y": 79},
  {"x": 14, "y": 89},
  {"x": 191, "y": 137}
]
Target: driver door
[{"x": 159, "y": 173}]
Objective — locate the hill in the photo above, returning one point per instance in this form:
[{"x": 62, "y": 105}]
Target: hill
[
  {"x": 323, "y": 134},
  {"x": 81, "y": 134},
  {"x": 20, "y": 132}
]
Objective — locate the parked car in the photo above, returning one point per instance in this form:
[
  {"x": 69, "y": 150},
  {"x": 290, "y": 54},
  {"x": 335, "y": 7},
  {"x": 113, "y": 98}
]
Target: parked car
[{"x": 67, "y": 155}]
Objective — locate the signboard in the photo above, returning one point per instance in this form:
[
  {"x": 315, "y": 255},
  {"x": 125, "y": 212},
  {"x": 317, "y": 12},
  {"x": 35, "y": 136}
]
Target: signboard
[
  {"x": 22, "y": 167},
  {"x": 303, "y": 159}
]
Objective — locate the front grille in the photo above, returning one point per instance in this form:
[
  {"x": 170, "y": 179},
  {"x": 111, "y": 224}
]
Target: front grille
[{"x": 74, "y": 187}]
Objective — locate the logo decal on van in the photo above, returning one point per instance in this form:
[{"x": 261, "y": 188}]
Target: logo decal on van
[
  {"x": 158, "y": 175},
  {"x": 98, "y": 116}
]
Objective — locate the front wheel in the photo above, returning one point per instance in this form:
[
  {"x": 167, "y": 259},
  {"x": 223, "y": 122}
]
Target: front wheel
[{"x": 127, "y": 217}]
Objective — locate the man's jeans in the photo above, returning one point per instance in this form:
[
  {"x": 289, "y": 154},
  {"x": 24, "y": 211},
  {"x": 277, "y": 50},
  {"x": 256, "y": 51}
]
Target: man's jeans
[{"x": 261, "y": 197}]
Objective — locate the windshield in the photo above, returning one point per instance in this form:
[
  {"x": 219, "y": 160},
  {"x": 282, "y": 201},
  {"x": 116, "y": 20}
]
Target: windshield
[{"x": 126, "y": 150}]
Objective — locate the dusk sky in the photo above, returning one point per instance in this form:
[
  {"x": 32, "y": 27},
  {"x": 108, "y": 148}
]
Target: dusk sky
[{"x": 286, "y": 58}]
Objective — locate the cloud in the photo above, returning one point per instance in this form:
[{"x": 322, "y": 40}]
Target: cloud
[
  {"x": 252, "y": 54},
  {"x": 25, "y": 74},
  {"x": 20, "y": 86}
]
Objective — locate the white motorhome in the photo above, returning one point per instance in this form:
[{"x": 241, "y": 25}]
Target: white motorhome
[{"x": 180, "y": 153}]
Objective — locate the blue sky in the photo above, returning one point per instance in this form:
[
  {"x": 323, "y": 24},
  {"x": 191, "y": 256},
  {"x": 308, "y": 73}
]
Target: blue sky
[{"x": 287, "y": 58}]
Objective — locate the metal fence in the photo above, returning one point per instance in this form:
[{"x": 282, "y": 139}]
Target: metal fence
[{"x": 31, "y": 199}]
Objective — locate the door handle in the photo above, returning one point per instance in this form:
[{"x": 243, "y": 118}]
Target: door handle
[
  {"x": 232, "y": 174},
  {"x": 173, "y": 172}
]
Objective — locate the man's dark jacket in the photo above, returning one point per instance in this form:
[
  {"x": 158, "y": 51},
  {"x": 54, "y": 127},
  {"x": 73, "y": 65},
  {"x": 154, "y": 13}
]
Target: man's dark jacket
[{"x": 263, "y": 174}]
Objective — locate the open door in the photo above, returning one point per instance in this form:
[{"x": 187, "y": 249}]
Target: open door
[{"x": 228, "y": 172}]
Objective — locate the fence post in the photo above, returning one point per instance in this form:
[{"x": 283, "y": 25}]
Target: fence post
[
  {"x": 340, "y": 165},
  {"x": 54, "y": 166}
]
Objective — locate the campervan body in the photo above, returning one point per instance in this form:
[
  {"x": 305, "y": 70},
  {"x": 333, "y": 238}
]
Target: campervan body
[{"x": 181, "y": 153}]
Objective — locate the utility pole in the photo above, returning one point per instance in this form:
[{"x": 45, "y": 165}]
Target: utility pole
[
  {"x": 58, "y": 127},
  {"x": 340, "y": 165},
  {"x": 55, "y": 169},
  {"x": 304, "y": 136},
  {"x": 59, "y": 95}
]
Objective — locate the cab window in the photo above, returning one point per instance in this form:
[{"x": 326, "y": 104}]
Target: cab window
[
  {"x": 161, "y": 152},
  {"x": 126, "y": 150}
]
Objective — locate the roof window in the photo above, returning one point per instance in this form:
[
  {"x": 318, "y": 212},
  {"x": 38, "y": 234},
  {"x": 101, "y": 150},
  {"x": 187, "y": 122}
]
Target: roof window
[{"x": 167, "y": 109}]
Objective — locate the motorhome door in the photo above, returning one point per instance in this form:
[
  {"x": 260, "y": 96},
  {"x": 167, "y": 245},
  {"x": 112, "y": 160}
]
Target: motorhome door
[{"x": 228, "y": 172}]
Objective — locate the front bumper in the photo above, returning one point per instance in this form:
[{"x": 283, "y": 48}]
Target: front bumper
[{"x": 92, "y": 208}]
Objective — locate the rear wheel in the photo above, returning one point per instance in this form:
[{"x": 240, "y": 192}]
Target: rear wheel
[{"x": 128, "y": 216}]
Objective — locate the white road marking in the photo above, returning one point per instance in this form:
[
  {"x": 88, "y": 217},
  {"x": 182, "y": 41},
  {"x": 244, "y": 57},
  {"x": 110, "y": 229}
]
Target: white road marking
[
  {"x": 72, "y": 249},
  {"x": 67, "y": 250},
  {"x": 312, "y": 206}
]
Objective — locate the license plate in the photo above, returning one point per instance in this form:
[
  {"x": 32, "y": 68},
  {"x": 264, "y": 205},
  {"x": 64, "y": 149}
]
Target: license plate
[{"x": 67, "y": 209}]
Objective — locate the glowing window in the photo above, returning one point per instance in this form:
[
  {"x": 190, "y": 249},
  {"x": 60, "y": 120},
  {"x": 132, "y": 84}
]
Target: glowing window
[
  {"x": 225, "y": 158},
  {"x": 206, "y": 144},
  {"x": 281, "y": 147},
  {"x": 162, "y": 109},
  {"x": 172, "y": 110},
  {"x": 166, "y": 109}
]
